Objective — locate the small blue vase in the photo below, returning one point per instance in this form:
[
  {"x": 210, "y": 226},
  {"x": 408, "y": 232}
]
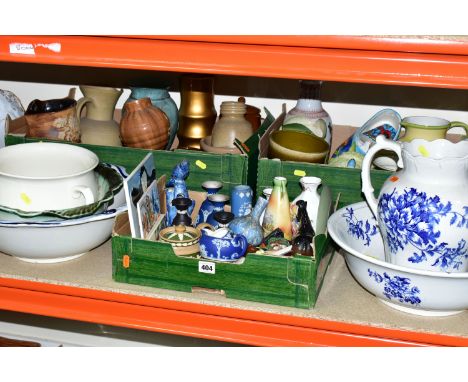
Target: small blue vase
[
  {"x": 160, "y": 98},
  {"x": 249, "y": 225},
  {"x": 212, "y": 187},
  {"x": 218, "y": 201},
  {"x": 241, "y": 200}
]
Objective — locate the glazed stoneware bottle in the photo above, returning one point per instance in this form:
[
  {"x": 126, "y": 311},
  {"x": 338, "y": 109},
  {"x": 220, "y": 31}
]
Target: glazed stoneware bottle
[
  {"x": 97, "y": 125},
  {"x": 277, "y": 213},
  {"x": 212, "y": 187},
  {"x": 197, "y": 113},
  {"x": 309, "y": 194},
  {"x": 422, "y": 209},
  {"x": 160, "y": 98},
  {"x": 249, "y": 225},
  {"x": 308, "y": 115},
  {"x": 144, "y": 126},
  {"x": 231, "y": 125}
]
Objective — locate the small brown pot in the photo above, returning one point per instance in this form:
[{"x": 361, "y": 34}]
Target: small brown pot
[{"x": 144, "y": 125}]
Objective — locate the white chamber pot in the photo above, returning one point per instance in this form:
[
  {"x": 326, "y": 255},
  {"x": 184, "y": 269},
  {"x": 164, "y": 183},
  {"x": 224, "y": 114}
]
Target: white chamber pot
[{"x": 47, "y": 176}]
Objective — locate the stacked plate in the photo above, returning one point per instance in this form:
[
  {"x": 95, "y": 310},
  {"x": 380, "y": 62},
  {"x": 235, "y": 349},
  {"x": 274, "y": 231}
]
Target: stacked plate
[
  {"x": 49, "y": 234},
  {"x": 410, "y": 290}
]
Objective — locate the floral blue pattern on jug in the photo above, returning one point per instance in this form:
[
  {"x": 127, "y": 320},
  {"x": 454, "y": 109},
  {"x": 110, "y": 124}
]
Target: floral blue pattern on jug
[{"x": 412, "y": 219}]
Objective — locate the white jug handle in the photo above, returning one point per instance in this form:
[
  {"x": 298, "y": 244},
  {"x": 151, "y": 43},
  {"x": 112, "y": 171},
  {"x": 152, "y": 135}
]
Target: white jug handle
[
  {"x": 382, "y": 143},
  {"x": 86, "y": 192}
]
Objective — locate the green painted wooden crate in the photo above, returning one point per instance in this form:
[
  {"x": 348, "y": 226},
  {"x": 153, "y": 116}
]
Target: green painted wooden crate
[{"x": 287, "y": 281}]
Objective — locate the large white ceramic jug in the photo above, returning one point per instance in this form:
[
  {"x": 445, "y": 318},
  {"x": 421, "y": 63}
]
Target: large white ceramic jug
[{"x": 422, "y": 209}]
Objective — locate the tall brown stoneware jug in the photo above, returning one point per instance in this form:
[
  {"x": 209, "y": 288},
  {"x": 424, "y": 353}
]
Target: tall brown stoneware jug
[{"x": 144, "y": 126}]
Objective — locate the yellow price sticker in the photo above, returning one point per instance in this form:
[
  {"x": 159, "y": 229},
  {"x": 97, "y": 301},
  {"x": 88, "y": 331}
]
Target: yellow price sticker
[
  {"x": 299, "y": 173},
  {"x": 200, "y": 164},
  {"x": 423, "y": 151},
  {"x": 25, "y": 198}
]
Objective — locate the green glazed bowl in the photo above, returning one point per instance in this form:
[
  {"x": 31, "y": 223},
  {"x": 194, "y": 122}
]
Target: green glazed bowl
[
  {"x": 298, "y": 146},
  {"x": 109, "y": 184}
]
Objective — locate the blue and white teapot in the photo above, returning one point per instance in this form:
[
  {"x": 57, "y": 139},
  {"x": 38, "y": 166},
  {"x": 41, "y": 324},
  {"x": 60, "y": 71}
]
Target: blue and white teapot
[
  {"x": 222, "y": 245},
  {"x": 422, "y": 208}
]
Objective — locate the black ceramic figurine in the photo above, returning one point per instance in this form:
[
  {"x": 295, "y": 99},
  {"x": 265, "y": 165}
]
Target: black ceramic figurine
[{"x": 302, "y": 243}]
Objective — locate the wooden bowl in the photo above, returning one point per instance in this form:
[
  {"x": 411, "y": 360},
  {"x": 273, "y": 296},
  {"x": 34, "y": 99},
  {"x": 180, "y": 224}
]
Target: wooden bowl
[{"x": 297, "y": 146}]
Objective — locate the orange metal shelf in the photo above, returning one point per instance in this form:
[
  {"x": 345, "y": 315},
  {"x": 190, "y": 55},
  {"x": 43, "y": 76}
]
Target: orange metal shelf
[
  {"x": 335, "y": 59},
  {"x": 200, "y": 320}
]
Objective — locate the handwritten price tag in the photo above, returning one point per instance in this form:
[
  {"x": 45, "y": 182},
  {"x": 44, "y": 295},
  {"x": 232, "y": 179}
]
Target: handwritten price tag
[{"x": 206, "y": 267}]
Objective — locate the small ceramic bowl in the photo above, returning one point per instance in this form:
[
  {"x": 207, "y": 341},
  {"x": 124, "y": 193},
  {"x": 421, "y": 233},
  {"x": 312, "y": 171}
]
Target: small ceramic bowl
[
  {"x": 205, "y": 145},
  {"x": 297, "y": 146}
]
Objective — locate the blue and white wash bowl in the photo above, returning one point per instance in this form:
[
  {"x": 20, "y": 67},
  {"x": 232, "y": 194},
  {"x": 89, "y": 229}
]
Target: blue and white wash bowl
[
  {"x": 414, "y": 291},
  {"x": 222, "y": 245}
]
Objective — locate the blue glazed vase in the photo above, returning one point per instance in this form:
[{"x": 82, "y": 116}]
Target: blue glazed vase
[
  {"x": 212, "y": 187},
  {"x": 222, "y": 245},
  {"x": 241, "y": 200},
  {"x": 160, "y": 98},
  {"x": 249, "y": 225},
  {"x": 218, "y": 202}
]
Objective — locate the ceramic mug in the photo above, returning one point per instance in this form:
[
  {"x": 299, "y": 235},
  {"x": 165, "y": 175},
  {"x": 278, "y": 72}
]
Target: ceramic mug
[
  {"x": 47, "y": 176},
  {"x": 428, "y": 128}
]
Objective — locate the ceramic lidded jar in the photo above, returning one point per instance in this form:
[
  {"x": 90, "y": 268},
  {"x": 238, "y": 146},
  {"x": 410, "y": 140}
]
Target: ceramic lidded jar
[
  {"x": 308, "y": 115},
  {"x": 144, "y": 126},
  {"x": 422, "y": 209},
  {"x": 232, "y": 125},
  {"x": 160, "y": 98}
]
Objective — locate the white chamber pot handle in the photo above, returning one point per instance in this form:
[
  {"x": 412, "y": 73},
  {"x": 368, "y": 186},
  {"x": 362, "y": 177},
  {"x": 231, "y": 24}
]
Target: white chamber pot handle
[
  {"x": 382, "y": 143},
  {"x": 86, "y": 192}
]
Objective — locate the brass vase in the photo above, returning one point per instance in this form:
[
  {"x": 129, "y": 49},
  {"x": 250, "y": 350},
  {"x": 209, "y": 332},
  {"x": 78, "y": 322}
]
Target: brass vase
[{"x": 197, "y": 114}]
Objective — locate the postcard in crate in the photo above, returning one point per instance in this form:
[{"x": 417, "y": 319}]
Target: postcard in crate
[
  {"x": 148, "y": 210},
  {"x": 136, "y": 184}
]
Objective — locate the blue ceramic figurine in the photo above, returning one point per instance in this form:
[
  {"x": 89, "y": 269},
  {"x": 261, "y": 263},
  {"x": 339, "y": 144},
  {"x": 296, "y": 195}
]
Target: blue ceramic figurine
[{"x": 176, "y": 188}]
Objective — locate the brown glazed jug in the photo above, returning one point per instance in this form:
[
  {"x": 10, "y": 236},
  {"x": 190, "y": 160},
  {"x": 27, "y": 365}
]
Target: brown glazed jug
[{"x": 144, "y": 126}]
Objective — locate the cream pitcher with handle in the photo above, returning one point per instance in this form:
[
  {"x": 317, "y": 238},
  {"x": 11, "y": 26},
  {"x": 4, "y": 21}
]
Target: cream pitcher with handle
[{"x": 422, "y": 209}]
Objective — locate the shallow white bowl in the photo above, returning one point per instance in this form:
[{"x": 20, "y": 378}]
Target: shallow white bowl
[{"x": 414, "y": 291}]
